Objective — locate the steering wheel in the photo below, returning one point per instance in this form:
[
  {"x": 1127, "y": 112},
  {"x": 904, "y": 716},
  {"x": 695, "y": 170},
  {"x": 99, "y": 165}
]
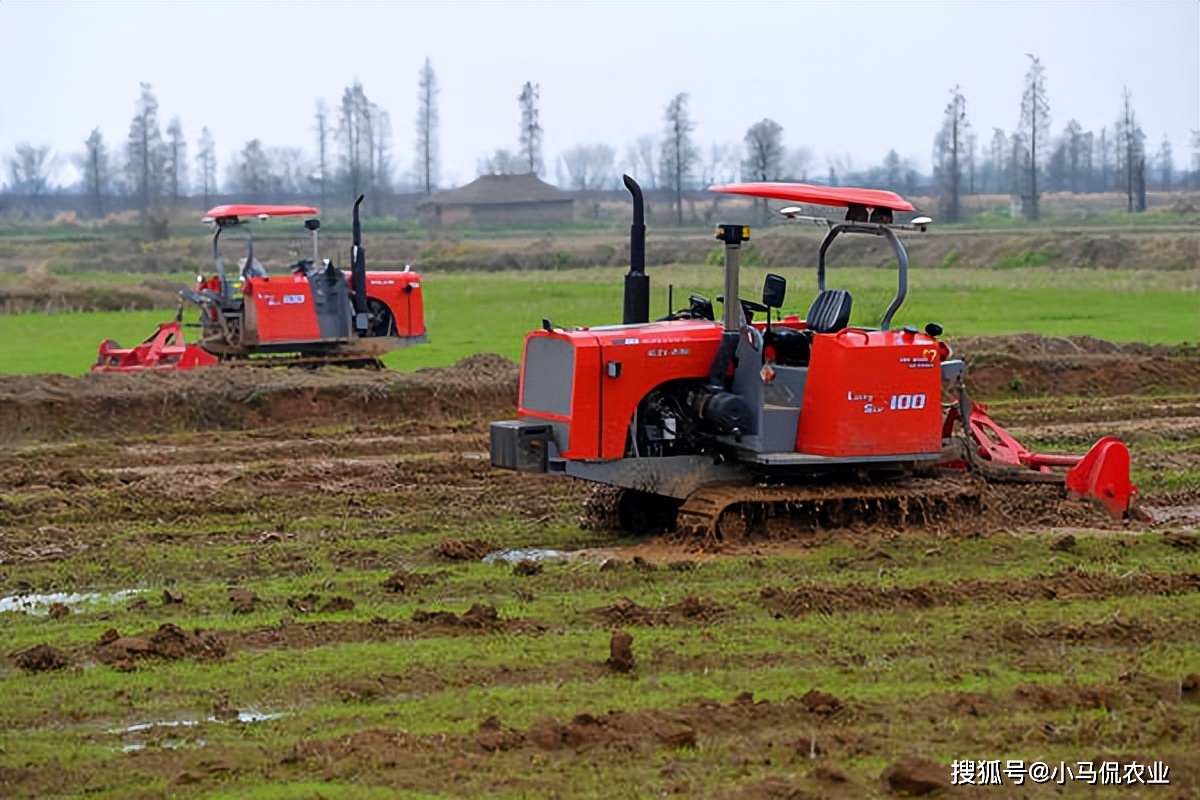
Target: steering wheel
[{"x": 749, "y": 305}]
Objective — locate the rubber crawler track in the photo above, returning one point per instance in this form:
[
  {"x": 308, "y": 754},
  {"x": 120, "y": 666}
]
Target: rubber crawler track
[{"x": 718, "y": 513}]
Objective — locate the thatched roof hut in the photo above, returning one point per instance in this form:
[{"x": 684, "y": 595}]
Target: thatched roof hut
[{"x": 498, "y": 200}]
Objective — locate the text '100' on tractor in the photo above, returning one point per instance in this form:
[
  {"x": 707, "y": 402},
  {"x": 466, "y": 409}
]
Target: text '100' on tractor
[
  {"x": 706, "y": 423},
  {"x": 315, "y": 314}
]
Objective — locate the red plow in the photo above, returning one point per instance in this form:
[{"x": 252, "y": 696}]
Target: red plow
[{"x": 165, "y": 349}]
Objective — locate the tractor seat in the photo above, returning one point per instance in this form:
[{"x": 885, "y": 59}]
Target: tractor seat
[{"x": 830, "y": 312}]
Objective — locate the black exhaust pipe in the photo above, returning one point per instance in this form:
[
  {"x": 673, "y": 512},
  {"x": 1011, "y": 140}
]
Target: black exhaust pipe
[
  {"x": 358, "y": 273},
  {"x": 637, "y": 282}
]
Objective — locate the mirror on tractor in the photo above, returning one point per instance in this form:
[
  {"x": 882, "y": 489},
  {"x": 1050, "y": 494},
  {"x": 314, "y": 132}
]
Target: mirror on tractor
[{"x": 774, "y": 290}]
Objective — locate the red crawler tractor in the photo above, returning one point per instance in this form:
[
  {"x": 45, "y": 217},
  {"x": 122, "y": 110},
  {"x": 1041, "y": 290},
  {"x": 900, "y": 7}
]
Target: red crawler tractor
[
  {"x": 695, "y": 417},
  {"x": 315, "y": 314}
]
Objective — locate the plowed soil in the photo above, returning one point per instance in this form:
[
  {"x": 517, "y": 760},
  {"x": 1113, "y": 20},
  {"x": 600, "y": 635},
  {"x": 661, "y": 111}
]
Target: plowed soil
[{"x": 366, "y": 500}]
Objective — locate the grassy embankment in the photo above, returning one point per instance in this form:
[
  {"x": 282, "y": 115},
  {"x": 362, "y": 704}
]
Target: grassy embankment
[{"x": 490, "y": 312}]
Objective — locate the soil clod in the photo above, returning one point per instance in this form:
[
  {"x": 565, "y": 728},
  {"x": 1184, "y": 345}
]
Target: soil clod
[
  {"x": 916, "y": 776},
  {"x": 41, "y": 658},
  {"x": 244, "y": 601},
  {"x": 818, "y": 702},
  {"x": 464, "y": 550},
  {"x": 620, "y": 652},
  {"x": 526, "y": 567},
  {"x": 1065, "y": 544}
]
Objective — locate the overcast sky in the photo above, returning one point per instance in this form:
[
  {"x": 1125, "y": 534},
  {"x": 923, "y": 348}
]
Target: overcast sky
[{"x": 848, "y": 80}]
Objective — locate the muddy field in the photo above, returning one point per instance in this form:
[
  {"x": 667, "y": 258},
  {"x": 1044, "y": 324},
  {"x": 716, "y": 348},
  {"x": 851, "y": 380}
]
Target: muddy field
[{"x": 314, "y": 582}]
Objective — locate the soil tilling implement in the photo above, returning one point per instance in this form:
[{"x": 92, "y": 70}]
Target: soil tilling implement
[
  {"x": 711, "y": 425},
  {"x": 316, "y": 314}
]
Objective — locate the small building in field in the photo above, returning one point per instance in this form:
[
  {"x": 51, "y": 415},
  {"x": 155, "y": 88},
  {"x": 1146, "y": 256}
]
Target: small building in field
[{"x": 498, "y": 200}]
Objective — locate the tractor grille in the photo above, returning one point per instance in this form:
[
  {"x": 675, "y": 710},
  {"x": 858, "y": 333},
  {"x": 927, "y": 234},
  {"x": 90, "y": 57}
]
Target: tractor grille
[{"x": 549, "y": 376}]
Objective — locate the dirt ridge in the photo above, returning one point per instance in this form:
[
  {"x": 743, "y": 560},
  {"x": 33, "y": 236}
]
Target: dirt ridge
[{"x": 484, "y": 386}]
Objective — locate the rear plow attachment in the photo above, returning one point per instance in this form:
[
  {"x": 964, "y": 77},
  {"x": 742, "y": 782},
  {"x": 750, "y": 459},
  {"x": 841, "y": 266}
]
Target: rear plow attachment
[
  {"x": 165, "y": 349},
  {"x": 1100, "y": 475}
]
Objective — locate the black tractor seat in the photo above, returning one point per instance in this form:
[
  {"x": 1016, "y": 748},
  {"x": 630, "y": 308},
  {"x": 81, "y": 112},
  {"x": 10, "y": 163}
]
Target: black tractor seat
[{"x": 830, "y": 311}]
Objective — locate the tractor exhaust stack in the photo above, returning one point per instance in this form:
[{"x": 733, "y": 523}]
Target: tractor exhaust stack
[
  {"x": 358, "y": 273},
  {"x": 637, "y": 282}
]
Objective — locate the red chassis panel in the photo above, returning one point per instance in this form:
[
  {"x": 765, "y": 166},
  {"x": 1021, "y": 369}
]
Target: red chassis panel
[
  {"x": 872, "y": 393},
  {"x": 279, "y": 310}
]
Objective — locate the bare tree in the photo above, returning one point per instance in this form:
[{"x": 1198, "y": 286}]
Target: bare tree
[
  {"x": 589, "y": 166},
  {"x": 1087, "y": 161},
  {"x": 893, "y": 171},
  {"x": 1074, "y": 160},
  {"x": 839, "y": 166},
  {"x": 1131, "y": 149},
  {"x": 1102, "y": 181},
  {"x": 381, "y": 158},
  {"x": 357, "y": 132},
  {"x": 322, "y": 130},
  {"x": 253, "y": 171},
  {"x": 531, "y": 131},
  {"x": 971, "y": 147},
  {"x": 764, "y": 151},
  {"x": 642, "y": 160},
  {"x": 1165, "y": 164},
  {"x": 144, "y": 149},
  {"x": 427, "y": 127},
  {"x": 997, "y": 155},
  {"x": 1034, "y": 129},
  {"x": 678, "y": 153},
  {"x": 175, "y": 161},
  {"x": 948, "y": 155},
  {"x": 94, "y": 166},
  {"x": 206, "y": 164},
  {"x": 29, "y": 169},
  {"x": 763, "y": 158},
  {"x": 722, "y": 164},
  {"x": 1016, "y": 169},
  {"x": 288, "y": 171}
]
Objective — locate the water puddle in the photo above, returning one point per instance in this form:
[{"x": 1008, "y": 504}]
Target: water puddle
[
  {"x": 171, "y": 742},
  {"x": 539, "y": 554},
  {"x": 40, "y": 603}
]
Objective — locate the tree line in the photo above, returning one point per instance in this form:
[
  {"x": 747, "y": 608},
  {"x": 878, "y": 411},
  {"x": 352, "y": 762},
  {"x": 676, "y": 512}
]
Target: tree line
[{"x": 352, "y": 154}]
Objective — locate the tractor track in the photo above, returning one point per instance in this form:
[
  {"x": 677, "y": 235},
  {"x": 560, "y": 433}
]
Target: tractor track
[{"x": 732, "y": 513}]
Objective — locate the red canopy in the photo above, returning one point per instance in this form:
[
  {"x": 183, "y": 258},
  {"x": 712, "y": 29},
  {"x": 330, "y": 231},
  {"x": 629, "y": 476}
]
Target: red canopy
[
  {"x": 254, "y": 211},
  {"x": 819, "y": 195}
]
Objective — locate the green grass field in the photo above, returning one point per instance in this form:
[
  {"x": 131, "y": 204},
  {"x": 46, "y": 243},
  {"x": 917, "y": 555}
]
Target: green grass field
[{"x": 490, "y": 312}]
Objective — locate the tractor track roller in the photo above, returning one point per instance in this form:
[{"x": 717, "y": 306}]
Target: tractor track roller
[{"x": 718, "y": 514}]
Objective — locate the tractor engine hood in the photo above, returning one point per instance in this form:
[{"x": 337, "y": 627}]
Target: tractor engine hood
[{"x": 587, "y": 382}]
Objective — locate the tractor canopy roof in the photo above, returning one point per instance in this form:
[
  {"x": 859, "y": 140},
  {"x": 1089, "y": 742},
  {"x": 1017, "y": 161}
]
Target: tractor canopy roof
[
  {"x": 239, "y": 214},
  {"x": 843, "y": 196}
]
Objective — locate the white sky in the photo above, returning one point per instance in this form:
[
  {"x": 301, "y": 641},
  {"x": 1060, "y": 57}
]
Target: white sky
[{"x": 848, "y": 80}]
